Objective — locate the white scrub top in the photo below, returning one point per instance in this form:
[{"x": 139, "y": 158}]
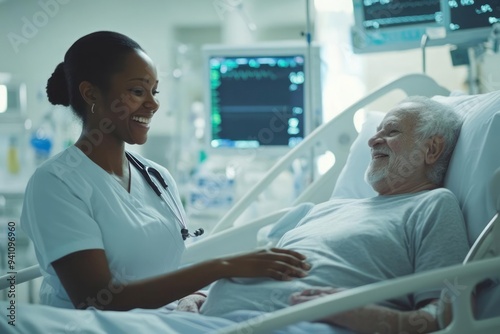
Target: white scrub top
[{"x": 72, "y": 204}]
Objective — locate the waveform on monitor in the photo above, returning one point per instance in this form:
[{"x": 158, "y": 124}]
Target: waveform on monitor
[
  {"x": 249, "y": 74},
  {"x": 400, "y": 4}
]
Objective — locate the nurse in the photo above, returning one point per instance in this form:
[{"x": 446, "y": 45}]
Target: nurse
[{"x": 102, "y": 236}]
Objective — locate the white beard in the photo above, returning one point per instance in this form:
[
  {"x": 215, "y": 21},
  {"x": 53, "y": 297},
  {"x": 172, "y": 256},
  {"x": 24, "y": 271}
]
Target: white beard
[
  {"x": 373, "y": 176},
  {"x": 394, "y": 171}
]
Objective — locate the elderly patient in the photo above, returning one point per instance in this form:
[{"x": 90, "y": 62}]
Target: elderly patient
[{"x": 413, "y": 225}]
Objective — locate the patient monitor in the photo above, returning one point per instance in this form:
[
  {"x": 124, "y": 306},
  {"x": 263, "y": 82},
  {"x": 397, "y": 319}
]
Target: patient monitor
[
  {"x": 470, "y": 21},
  {"x": 265, "y": 97},
  {"x": 392, "y": 25}
]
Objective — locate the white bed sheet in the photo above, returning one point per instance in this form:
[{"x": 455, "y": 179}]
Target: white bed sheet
[{"x": 47, "y": 319}]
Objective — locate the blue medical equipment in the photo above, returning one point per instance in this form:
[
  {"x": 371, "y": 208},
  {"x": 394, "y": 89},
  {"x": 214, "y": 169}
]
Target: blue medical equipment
[{"x": 147, "y": 172}]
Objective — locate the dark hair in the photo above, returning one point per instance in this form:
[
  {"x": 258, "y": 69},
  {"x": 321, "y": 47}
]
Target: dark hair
[{"x": 94, "y": 58}]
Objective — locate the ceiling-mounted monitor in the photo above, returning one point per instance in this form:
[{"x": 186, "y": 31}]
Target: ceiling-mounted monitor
[
  {"x": 469, "y": 22},
  {"x": 265, "y": 97},
  {"x": 394, "y": 25}
]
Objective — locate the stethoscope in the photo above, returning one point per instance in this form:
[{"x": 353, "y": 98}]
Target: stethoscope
[{"x": 147, "y": 172}]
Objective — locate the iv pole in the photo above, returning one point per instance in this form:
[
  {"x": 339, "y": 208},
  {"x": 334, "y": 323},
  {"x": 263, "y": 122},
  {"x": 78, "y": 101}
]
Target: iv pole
[
  {"x": 312, "y": 113},
  {"x": 308, "y": 37}
]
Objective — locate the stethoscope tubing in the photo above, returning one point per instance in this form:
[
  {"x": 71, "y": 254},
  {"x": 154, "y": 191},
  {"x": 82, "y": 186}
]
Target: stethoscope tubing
[
  {"x": 146, "y": 172},
  {"x": 179, "y": 215}
]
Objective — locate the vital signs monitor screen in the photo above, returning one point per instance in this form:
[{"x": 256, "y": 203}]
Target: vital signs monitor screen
[
  {"x": 257, "y": 100},
  {"x": 379, "y": 14},
  {"x": 471, "y": 14}
]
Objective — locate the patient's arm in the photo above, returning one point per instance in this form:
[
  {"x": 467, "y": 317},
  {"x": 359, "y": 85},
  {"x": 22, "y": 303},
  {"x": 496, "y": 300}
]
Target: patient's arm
[{"x": 375, "y": 318}]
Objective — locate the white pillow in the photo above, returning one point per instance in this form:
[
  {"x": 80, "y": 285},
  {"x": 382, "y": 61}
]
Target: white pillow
[
  {"x": 351, "y": 181},
  {"x": 476, "y": 157}
]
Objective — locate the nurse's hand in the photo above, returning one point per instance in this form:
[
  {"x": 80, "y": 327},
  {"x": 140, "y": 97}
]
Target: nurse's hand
[{"x": 276, "y": 263}]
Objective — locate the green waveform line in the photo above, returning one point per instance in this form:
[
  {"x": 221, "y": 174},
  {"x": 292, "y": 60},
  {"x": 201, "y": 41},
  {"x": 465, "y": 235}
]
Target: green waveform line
[{"x": 247, "y": 74}]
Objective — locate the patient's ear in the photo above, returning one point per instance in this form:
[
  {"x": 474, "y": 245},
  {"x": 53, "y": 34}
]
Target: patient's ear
[{"x": 434, "y": 148}]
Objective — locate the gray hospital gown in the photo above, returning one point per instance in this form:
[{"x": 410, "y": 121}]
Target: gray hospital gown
[{"x": 354, "y": 242}]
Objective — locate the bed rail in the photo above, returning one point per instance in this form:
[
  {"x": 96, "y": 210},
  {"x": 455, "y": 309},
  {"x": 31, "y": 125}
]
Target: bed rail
[
  {"x": 230, "y": 241},
  {"x": 463, "y": 319},
  {"x": 23, "y": 275},
  {"x": 488, "y": 242}
]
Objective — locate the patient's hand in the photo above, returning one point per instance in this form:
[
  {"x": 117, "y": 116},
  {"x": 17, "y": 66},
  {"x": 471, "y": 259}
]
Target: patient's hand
[
  {"x": 313, "y": 293},
  {"x": 348, "y": 319},
  {"x": 191, "y": 303},
  {"x": 372, "y": 318}
]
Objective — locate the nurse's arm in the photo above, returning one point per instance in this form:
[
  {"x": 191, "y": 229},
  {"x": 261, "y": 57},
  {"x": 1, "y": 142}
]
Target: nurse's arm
[{"x": 87, "y": 279}]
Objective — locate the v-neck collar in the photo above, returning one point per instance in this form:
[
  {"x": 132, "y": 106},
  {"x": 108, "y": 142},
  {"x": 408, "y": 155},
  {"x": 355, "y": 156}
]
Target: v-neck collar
[{"x": 106, "y": 174}]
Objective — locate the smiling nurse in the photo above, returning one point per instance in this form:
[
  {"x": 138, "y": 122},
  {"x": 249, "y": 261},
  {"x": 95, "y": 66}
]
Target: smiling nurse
[
  {"x": 102, "y": 235},
  {"x": 127, "y": 106}
]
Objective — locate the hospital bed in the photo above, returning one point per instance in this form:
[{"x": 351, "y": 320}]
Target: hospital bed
[{"x": 474, "y": 176}]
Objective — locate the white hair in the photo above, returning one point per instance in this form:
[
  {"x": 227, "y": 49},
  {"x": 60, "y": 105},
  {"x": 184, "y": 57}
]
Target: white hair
[{"x": 435, "y": 118}]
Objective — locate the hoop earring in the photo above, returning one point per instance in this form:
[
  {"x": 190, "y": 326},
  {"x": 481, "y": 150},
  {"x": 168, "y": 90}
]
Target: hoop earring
[{"x": 92, "y": 109}]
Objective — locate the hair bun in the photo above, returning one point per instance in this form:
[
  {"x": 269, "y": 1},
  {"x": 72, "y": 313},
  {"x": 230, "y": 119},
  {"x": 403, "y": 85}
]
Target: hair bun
[{"x": 57, "y": 87}]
